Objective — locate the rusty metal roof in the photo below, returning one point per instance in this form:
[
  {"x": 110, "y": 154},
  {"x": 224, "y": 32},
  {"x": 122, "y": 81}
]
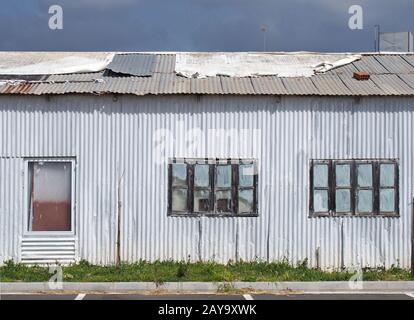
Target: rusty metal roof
[{"x": 145, "y": 74}]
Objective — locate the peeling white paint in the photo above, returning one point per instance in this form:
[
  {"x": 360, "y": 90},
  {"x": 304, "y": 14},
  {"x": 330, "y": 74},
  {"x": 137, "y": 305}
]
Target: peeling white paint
[
  {"x": 46, "y": 63},
  {"x": 248, "y": 64}
]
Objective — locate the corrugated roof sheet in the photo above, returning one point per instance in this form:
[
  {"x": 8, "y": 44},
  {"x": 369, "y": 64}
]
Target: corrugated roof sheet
[
  {"x": 164, "y": 63},
  {"x": 300, "y": 86},
  {"x": 144, "y": 74},
  {"x": 370, "y": 64},
  {"x": 140, "y": 65},
  {"x": 348, "y": 69},
  {"x": 269, "y": 85},
  {"x": 75, "y": 77},
  {"x": 360, "y": 88},
  {"x": 391, "y": 84},
  {"x": 330, "y": 84},
  {"x": 394, "y": 63},
  {"x": 408, "y": 79},
  {"x": 409, "y": 58}
]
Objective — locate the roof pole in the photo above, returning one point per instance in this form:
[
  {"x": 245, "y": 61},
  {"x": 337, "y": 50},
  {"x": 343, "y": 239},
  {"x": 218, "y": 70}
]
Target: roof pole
[
  {"x": 377, "y": 38},
  {"x": 264, "y": 29}
]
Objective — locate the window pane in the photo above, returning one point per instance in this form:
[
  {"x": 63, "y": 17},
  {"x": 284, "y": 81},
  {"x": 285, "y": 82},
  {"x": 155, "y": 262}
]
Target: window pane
[
  {"x": 387, "y": 175},
  {"x": 179, "y": 200},
  {"x": 246, "y": 175},
  {"x": 365, "y": 175},
  {"x": 320, "y": 201},
  {"x": 343, "y": 200},
  {"x": 320, "y": 175},
  {"x": 343, "y": 175},
  {"x": 50, "y": 197},
  {"x": 223, "y": 201},
  {"x": 201, "y": 175},
  {"x": 201, "y": 200},
  {"x": 246, "y": 201},
  {"x": 179, "y": 174},
  {"x": 224, "y": 176},
  {"x": 364, "y": 201},
  {"x": 387, "y": 200}
]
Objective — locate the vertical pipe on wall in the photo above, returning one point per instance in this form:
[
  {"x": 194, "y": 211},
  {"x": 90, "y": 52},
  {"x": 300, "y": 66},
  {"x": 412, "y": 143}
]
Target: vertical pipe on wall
[
  {"x": 119, "y": 211},
  {"x": 318, "y": 258},
  {"x": 412, "y": 239},
  {"x": 237, "y": 241},
  {"x": 342, "y": 247},
  {"x": 200, "y": 237}
]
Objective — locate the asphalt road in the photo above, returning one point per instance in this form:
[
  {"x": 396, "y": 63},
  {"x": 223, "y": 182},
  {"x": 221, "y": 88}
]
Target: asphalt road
[{"x": 209, "y": 297}]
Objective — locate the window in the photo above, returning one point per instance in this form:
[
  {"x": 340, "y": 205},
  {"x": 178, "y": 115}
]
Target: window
[
  {"x": 216, "y": 187},
  {"x": 50, "y": 196},
  {"x": 354, "y": 187}
]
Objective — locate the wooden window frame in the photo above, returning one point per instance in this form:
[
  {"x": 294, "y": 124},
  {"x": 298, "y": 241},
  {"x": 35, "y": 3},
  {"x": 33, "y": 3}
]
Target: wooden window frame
[
  {"x": 395, "y": 187},
  {"x": 231, "y": 189},
  {"x": 351, "y": 187},
  {"x": 171, "y": 187},
  {"x": 372, "y": 188},
  {"x": 234, "y": 188},
  {"x": 327, "y": 188},
  {"x": 238, "y": 189},
  {"x": 210, "y": 187},
  {"x": 376, "y": 163}
]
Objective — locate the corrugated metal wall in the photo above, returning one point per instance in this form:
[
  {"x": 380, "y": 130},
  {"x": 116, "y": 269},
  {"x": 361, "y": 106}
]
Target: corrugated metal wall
[{"x": 113, "y": 140}]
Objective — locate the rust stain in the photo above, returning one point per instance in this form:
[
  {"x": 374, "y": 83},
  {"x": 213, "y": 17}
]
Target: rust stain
[
  {"x": 51, "y": 216},
  {"x": 23, "y": 88}
]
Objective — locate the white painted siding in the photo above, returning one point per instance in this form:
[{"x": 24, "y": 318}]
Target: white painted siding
[{"x": 112, "y": 138}]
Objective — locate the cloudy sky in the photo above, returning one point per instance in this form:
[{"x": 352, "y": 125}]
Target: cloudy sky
[{"x": 199, "y": 25}]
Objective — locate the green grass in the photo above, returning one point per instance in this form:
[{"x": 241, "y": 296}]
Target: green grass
[{"x": 180, "y": 271}]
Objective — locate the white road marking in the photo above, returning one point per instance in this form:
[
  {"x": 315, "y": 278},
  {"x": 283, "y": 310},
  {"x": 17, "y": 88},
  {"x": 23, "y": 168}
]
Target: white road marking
[
  {"x": 80, "y": 296},
  {"x": 248, "y": 297},
  {"x": 346, "y": 292},
  {"x": 410, "y": 294}
]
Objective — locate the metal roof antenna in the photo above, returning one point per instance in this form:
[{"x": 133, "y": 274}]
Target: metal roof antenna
[
  {"x": 377, "y": 30},
  {"x": 263, "y": 29}
]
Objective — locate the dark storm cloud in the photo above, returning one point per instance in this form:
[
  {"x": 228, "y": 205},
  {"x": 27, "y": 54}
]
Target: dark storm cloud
[{"x": 198, "y": 25}]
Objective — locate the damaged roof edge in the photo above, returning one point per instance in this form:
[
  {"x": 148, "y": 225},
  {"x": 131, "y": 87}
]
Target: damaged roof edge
[{"x": 156, "y": 74}]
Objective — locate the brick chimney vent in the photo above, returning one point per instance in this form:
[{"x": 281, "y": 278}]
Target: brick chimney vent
[{"x": 361, "y": 75}]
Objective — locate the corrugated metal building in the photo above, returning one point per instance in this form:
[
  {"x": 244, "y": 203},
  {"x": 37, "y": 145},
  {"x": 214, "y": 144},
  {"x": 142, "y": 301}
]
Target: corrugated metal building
[{"x": 104, "y": 141}]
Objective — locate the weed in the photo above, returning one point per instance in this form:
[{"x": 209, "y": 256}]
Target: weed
[{"x": 166, "y": 271}]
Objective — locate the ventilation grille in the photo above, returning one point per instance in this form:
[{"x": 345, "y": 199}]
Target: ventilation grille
[{"x": 47, "y": 250}]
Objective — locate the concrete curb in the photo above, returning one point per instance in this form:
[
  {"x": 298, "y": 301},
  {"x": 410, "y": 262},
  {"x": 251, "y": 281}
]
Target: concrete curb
[{"x": 208, "y": 287}]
